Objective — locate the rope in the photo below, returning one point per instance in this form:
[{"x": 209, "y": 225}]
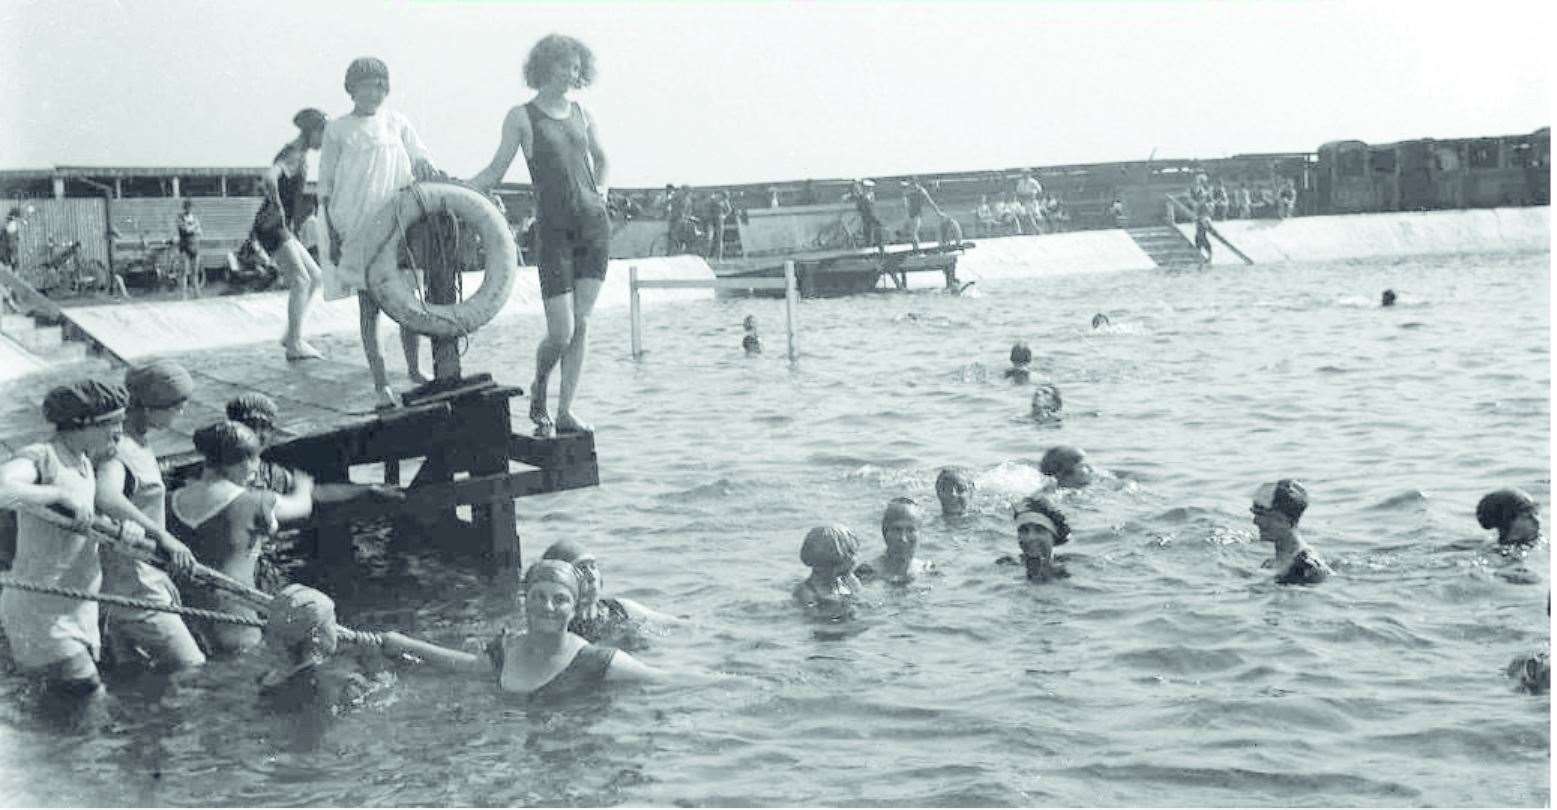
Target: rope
[
  {"x": 399, "y": 230},
  {"x": 131, "y": 602}
]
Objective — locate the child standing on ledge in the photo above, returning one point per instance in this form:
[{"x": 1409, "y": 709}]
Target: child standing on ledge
[{"x": 367, "y": 157}]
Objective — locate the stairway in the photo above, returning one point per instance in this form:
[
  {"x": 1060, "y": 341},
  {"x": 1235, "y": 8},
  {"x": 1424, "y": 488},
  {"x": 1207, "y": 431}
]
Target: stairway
[
  {"x": 1166, "y": 246},
  {"x": 46, "y": 342}
]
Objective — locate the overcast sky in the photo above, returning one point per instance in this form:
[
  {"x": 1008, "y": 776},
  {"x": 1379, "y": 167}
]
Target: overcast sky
[{"x": 702, "y": 94}]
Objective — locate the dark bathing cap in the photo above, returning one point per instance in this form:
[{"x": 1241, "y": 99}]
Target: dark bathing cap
[
  {"x": 1060, "y": 458},
  {"x": 158, "y": 384},
  {"x": 829, "y": 545},
  {"x": 253, "y": 409},
  {"x": 1285, "y": 496},
  {"x": 1497, "y": 509},
  {"x": 309, "y": 119},
  {"x": 223, "y": 443},
  {"x": 1020, "y": 353},
  {"x": 556, "y": 571},
  {"x": 366, "y": 67},
  {"x": 568, "y": 551},
  {"x": 83, "y": 404}
]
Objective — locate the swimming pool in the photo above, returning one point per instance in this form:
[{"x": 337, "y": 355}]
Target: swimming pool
[{"x": 1167, "y": 671}]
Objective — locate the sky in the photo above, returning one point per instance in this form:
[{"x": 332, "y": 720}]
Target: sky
[{"x": 749, "y": 92}]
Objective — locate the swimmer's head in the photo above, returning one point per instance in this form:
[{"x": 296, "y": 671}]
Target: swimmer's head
[
  {"x": 254, "y": 411},
  {"x": 1046, "y": 402},
  {"x": 1040, "y": 526},
  {"x": 301, "y": 624},
  {"x": 228, "y": 447},
  {"x": 750, "y": 323},
  {"x": 830, "y": 550},
  {"x": 900, "y": 527},
  {"x": 1099, "y": 321},
  {"x": 954, "y": 489},
  {"x": 584, "y": 564},
  {"x": 1513, "y": 513},
  {"x": 1021, "y": 354},
  {"x": 1284, "y": 500},
  {"x": 551, "y": 592},
  {"x": 1388, "y": 299},
  {"x": 1068, "y": 465}
]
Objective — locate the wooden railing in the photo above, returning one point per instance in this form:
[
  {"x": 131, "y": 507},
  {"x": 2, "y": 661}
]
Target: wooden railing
[{"x": 788, "y": 284}]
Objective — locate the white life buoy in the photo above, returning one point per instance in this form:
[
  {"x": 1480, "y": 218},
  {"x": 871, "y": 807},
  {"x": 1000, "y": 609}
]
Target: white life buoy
[{"x": 395, "y": 290}]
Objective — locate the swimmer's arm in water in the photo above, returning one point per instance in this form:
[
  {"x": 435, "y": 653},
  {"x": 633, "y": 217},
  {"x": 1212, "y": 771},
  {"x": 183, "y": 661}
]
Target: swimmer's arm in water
[
  {"x": 434, "y": 655},
  {"x": 516, "y": 135},
  {"x": 639, "y": 613}
]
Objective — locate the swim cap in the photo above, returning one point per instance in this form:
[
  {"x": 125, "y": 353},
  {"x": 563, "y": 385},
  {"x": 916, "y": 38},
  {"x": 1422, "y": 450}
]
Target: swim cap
[
  {"x": 253, "y": 409},
  {"x": 1389, "y": 298},
  {"x": 952, "y": 475},
  {"x": 568, "y": 551},
  {"x": 226, "y": 442},
  {"x": 309, "y": 119},
  {"x": 1497, "y": 509},
  {"x": 366, "y": 67},
  {"x": 1285, "y": 496},
  {"x": 83, "y": 404},
  {"x": 1037, "y": 509},
  {"x": 1046, "y": 399},
  {"x": 1060, "y": 458},
  {"x": 1099, "y": 320},
  {"x": 829, "y": 545},
  {"x": 556, "y": 571},
  {"x": 1020, "y": 353},
  {"x": 158, "y": 384},
  {"x": 900, "y": 507},
  {"x": 297, "y": 614}
]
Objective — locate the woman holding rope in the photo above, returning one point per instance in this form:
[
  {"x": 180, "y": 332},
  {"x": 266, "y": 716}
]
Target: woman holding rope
[
  {"x": 55, "y": 638},
  {"x": 568, "y": 167}
]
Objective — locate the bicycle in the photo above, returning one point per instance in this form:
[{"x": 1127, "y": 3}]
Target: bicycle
[
  {"x": 64, "y": 268},
  {"x": 153, "y": 262}
]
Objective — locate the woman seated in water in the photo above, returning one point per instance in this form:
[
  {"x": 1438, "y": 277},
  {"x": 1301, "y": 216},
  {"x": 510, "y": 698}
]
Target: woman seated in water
[
  {"x": 830, "y": 552},
  {"x": 1277, "y": 508},
  {"x": 595, "y": 617},
  {"x": 1040, "y": 526},
  {"x": 900, "y": 531},
  {"x": 1513, "y": 514},
  {"x": 1068, "y": 466},
  {"x": 954, "y": 489},
  {"x": 1021, "y": 360},
  {"x": 547, "y": 660},
  {"x": 1046, "y": 403}
]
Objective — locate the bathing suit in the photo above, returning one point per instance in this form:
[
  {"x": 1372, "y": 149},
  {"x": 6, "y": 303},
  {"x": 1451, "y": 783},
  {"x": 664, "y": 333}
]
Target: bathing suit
[
  {"x": 229, "y": 534},
  {"x": 751, "y": 343},
  {"x": 271, "y": 229},
  {"x": 572, "y": 222},
  {"x": 611, "y": 617},
  {"x": 587, "y": 669},
  {"x": 188, "y": 229},
  {"x": 1306, "y": 569}
]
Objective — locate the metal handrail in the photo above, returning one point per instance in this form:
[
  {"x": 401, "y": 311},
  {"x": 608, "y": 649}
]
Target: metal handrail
[{"x": 1209, "y": 228}]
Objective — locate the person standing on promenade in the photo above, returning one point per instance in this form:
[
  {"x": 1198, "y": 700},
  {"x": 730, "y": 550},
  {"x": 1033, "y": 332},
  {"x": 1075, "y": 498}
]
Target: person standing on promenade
[
  {"x": 864, "y": 199},
  {"x": 569, "y": 168},
  {"x": 189, "y": 232},
  {"x": 364, "y": 160},
  {"x": 1028, "y": 190},
  {"x": 719, "y": 210},
  {"x": 915, "y": 195},
  {"x": 130, "y": 489},
  {"x": 275, "y": 226},
  {"x": 1277, "y": 508}
]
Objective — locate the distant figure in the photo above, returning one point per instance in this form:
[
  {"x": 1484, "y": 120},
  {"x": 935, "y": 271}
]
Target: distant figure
[
  {"x": 1203, "y": 228},
  {"x": 1068, "y": 465},
  {"x": 900, "y": 531},
  {"x": 1099, "y": 321},
  {"x": 1020, "y": 372},
  {"x": 864, "y": 199},
  {"x": 954, "y": 489},
  {"x": 1046, "y": 403},
  {"x": 1389, "y": 298},
  {"x": 832, "y": 587},
  {"x": 1287, "y": 200},
  {"x": 1219, "y": 200},
  {"x": 719, "y": 210},
  {"x": 1243, "y": 203},
  {"x": 1116, "y": 213},
  {"x": 951, "y": 231},
  {"x": 1513, "y": 514},
  {"x": 11, "y": 237},
  {"x": 751, "y": 342},
  {"x": 1040, "y": 526},
  {"x": 189, "y": 232},
  {"x": 1028, "y": 191},
  {"x": 916, "y": 198},
  {"x": 1277, "y": 508}
]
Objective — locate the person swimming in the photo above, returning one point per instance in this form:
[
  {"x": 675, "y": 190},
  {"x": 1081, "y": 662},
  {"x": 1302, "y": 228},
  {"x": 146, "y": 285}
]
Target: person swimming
[
  {"x": 300, "y": 629},
  {"x": 1277, "y": 508},
  {"x": 596, "y": 617},
  {"x": 1513, "y": 514},
  {"x": 1021, "y": 358},
  {"x": 1388, "y": 299},
  {"x": 954, "y": 489},
  {"x": 1534, "y": 670},
  {"x": 751, "y": 341},
  {"x": 1046, "y": 403},
  {"x": 1040, "y": 526},
  {"x": 830, "y": 552},
  {"x": 900, "y": 523},
  {"x": 1099, "y": 321},
  {"x": 1068, "y": 465}
]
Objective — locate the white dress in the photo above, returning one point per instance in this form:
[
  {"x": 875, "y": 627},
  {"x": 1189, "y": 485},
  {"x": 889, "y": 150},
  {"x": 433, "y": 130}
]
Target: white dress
[{"x": 363, "y": 161}]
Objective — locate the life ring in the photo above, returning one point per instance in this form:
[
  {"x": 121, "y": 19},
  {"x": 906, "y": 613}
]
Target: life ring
[{"x": 394, "y": 289}]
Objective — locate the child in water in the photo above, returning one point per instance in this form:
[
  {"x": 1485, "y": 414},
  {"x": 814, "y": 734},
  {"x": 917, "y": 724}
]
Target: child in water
[
  {"x": 1068, "y": 465},
  {"x": 1021, "y": 358},
  {"x": 751, "y": 342},
  {"x": 954, "y": 489},
  {"x": 301, "y": 630},
  {"x": 1040, "y": 526},
  {"x": 832, "y": 588},
  {"x": 900, "y": 531},
  {"x": 1046, "y": 403}
]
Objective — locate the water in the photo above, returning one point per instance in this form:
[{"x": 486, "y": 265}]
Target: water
[{"x": 1168, "y": 670}]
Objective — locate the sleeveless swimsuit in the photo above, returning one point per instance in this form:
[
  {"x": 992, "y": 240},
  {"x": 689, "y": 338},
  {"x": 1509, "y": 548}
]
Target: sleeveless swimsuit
[
  {"x": 587, "y": 669},
  {"x": 571, "y": 218}
]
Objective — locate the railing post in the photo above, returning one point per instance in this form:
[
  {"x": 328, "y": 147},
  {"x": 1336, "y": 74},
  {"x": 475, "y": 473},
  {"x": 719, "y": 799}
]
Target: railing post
[
  {"x": 635, "y": 313},
  {"x": 791, "y": 294}
]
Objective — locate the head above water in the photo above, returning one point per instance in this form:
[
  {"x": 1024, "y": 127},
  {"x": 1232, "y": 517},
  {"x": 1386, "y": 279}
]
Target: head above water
[
  {"x": 1512, "y": 512},
  {"x": 1034, "y": 516},
  {"x": 555, "y": 571},
  {"x": 1286, "y": 498},
  {"x": 1099, "y": 320},
  {"x": 834, "y": 546},
  {"x": 749, "y": 323},
  {"x": 554, "y": 52},
  {"x": 954, "y": 488},
  {"x": 1046, "y": 403},
  {"x": 1388, "y": 299},
  {"x": 1068, "y": 465},
  {"x": 1021, "y": 353}
]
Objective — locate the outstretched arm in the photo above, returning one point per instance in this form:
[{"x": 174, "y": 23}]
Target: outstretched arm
[
  {"x": 639, "y": 613},
  {"x": 435, "y": 655}
]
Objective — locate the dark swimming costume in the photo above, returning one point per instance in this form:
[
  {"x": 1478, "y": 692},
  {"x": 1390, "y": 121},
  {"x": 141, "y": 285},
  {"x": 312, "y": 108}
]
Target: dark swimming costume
[
  {"x": 751, "y": 343},
  {"x": 612, "y": 617},
  {"x": 1306, "y": 569},
  {"x": 587, "y": 668},
  {"x": 271, "y": 229},
  {"x": 572, "y": 223}
]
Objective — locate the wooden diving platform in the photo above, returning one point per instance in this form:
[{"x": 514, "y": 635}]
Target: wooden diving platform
[{"x": 847, "y": 271}]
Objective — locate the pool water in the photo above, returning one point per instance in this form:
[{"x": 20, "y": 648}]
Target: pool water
[{"x": 1168, "y": 670}]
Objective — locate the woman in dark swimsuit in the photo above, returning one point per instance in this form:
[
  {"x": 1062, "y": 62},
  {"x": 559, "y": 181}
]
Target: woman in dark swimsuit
[
  {"x": 547, "y": 660},
  {"x": 597, "y": 618}
]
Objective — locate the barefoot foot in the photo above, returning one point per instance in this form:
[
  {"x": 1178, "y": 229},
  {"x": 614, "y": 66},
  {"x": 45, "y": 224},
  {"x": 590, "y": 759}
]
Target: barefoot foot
[{"x": 568, "y": 423}]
